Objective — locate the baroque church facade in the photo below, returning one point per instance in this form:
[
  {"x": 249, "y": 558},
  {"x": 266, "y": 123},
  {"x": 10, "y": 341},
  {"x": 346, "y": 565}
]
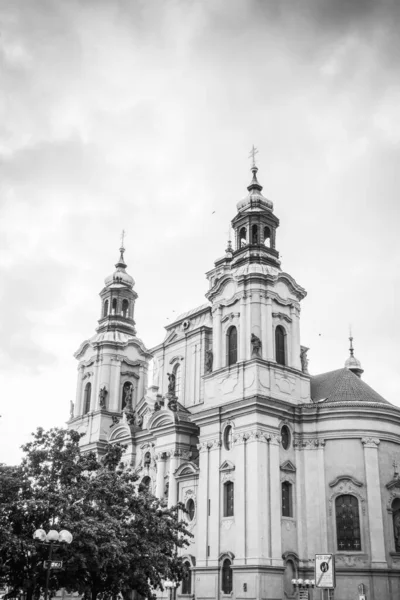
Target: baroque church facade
[{"x": 273, "y": 465}]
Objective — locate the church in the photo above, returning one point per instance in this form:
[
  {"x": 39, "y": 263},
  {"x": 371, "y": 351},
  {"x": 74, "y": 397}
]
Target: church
[{"x": 273, "y": 465}]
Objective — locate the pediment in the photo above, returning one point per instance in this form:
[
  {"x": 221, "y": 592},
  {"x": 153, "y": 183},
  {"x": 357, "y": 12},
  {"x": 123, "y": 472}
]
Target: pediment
[
  {"x": 288, "y": 467},
  {"x": 175, "y": 359},
  {"x": 344, "y": 478},
  {"x": 395, "y": 483},
  {"x": 227, "y": 465},
  {"x": 170, "y": 337},
  {"x": 119, "y": 433},
  {"x": 187, "y": 468}
]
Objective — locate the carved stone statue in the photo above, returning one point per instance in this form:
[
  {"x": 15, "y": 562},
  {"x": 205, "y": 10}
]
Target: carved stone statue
[
  {"x": 255, "y": 345},
  {"x": 102, "y": 397},
  {"x": 130, "y": 416},
  {"x": 71, "y": 409},
  {"x": 209, "y": 361},
  {"x": 396, "y": 531},
  {"x": 128, "y": 394},
  {"x": 171, "y": 384},
  {"x": 140, "y": 421},
  {"x": 304, "y": 359},
  {"x": 157, "y": 405}
]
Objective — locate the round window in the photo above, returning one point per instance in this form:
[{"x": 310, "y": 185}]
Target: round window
[
  {"x": 285, "y": 435},
  {"x": 228, "y": 434},
  {"x": 190, "y": 507}
]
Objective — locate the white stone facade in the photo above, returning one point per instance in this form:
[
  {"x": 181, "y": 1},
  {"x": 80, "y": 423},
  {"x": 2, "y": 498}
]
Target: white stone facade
[{"x": 257, "y": 449}]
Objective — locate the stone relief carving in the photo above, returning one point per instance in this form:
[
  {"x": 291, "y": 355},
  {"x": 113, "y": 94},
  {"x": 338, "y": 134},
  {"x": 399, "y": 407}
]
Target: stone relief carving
[
  {"x": 102, "y": 396},
  {"x": 209, "y": 361},
  {"x": 230, "y": 317},
  {"x": 282, "y": 317},
  {"x": 348, "y": 560},
  {"x": 227, "y": 523},
  {"x": 308, "y": 443},
  {"x": 255, "y": 345}
]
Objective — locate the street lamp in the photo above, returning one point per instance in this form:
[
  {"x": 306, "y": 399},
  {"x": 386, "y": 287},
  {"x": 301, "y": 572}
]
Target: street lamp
[
  {"x": 52, "y": 539},
  {"x": 170, "y": 585},
  {"x": 303, "y": 585}
]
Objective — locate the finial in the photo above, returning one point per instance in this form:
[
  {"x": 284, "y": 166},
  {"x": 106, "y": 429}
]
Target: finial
[
  {"x": 351, "y": 342},
  {"x": 352, "y": 363},
  {"x": 121, "y": 262},
  {"x": 252, "y": 155},
  {"x": 123, "y": 234}
]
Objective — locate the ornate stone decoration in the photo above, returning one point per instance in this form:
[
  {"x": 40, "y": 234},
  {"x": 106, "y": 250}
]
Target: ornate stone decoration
[
  {"x": 308, "y": 443},
  {"x": 347, "y": 560},
  {"x": 255, "y": 346},
  {"x": 370, "y": 442},
  {"x": 282, "y": 317},
  {"x": 102, "y": 396},
  {"x": 227, "y": 523},
  {"x": 345, "y": 485}
]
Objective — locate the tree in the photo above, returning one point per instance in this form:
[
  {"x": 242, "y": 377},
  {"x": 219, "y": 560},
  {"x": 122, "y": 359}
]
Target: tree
[{"x": 124, "y": 538}]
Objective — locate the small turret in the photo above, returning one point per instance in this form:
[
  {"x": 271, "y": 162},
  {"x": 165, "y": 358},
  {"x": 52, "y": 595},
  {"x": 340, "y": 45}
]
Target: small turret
[{"x": 352, "y": 363}]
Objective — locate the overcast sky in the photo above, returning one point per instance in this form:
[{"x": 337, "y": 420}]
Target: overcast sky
[{"x": 140, "y": 115}]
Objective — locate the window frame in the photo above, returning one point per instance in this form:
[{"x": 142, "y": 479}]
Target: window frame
[
  {"x": 285, "y": 484},
  {"x": 187, "y": 591},
  {"x": 231, "y": 352},
  {"x": 360, "y": 538},
  {"x": 229, "y": 499},
  {"x": 280, "y": 328},
  {"x": 87, "y": 397},
  {"x": 226, "y": 590}
]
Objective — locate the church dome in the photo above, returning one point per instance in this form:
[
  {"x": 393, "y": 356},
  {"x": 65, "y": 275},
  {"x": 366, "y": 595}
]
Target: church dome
[
  {"x": 254, "y": 199},
  {"x": 120, "y": 276}
]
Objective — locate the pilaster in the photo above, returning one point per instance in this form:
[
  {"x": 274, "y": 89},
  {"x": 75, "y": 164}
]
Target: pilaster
[
  {"x": 377, "y": 541},
  {"x": 264, "y": 327},
  {"x": 242, "y": 332},
  {"x": 295, "y": 341},
  {"x": 160, "y": 458},
  {"x": 173, "y": 486},
  {"x": 270, "y": 336},
  {"x": 275, "y": 497},
  {"x": 248, "y": 327},
  {"x": 202, "y": 505},
  {"x": 217, "y": 334},
  {"x": 240, "y": 497}
]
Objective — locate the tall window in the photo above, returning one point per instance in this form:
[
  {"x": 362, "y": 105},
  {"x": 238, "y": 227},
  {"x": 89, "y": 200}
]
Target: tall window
[
  {"x": 114, "y": 307},
  {"x": 396, "y": 523},
  {"x": 177, "y": 373},
  {"x": 228, "y": 437},
  {"x": 267, "y": 237},
  {"x": 287, "y": 506},
  {"x": 231, "y": 346},
  {"x": 254, "y": 234},
  {"x": 86, "y": 398},
  {"x": 125, "y": 308},
  {"x": 105, "y": 308},
  {"x": 187, "y": 578},
  {"x": 228, "y": 499},
  {"x": 226, "y": 576},
  {"x": 280, "y": 345},
  {"x": 347, "y": 523},
  {"x": 242, "y": 237},
  {"x": 145, "y": 483}
]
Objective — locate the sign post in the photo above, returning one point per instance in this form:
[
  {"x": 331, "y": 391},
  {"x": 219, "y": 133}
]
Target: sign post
[{"x": 325, "y": 573}]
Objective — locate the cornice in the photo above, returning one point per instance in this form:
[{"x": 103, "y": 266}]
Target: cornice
[{"x": 343, "y": 478}]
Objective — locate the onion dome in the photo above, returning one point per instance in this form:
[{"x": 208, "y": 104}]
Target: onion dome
[
  {"x": 120, "y": 276},
  {"x": 352, "y": 363},
  {"x": 254, "y": 199}
]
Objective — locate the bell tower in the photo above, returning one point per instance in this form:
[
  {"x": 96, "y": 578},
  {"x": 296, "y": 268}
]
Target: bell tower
[{"x": 113, "y": 365}]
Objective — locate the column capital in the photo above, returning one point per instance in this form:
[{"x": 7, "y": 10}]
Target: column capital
[
  {"x": 370, "y": 442},
  {"x": 274, "y": 439}
]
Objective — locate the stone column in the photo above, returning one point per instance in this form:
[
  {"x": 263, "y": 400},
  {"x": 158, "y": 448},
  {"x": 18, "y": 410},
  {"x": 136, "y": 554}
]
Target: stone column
[
  {"x": 264, "y": 327},
  {"x": 322, "y": 495},
  {"x": 202, "y": 505},
  {"x": 240, "y": 497},
  {"x": 257, "y": 522},
  {"x": 160, "y": 458},
  {"x": 217, "y": 333},
  {"x": 376, "y": 530},
  {"x": 242, "y": 330},
  {"x": 172, "y": 486},
  {"x": 275, "y": 497},
  {"x": 78, "y": 408},
  {"x": 115, "y": 400},
  {"x": 94, "y": 400},
  {"x": 248, "y": 327},
  {"x": 295, "y": 338},
  {"x": 214, "y": 521},
  {"x": 270, "y": 333}
]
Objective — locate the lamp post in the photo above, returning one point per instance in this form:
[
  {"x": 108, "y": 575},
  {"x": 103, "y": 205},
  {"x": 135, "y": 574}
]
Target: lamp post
[
  {"x": 170, "y": 585},
  {"x": 52, "y": 539},
  {"x": 303, "y": 585}
]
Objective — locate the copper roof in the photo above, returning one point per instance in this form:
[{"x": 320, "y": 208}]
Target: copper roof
[{"x": 342, "y": 386}]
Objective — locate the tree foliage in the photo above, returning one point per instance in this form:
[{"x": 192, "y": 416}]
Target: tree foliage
[{"x": 123, "y": 537}]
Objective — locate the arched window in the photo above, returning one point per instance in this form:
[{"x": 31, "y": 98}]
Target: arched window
[
  {"x": 289, "y": 574},
  {"x": 254, "y": 234},
  {"x": 287, "y": 506},
  {"x": 242, "y": 237},
  {"x": 285, "y": 436},
  {"x": 231, "y": 346},
  {"x": 114, "y": 306},
  {"x": 105, "y": 308},
  {"x": 267, "y": 237},
  {"x": 125, "y": 308},
  {"x": 187, "y": 578},
  {"x": 86, "y": 398},
  {"x": 177, "y": 373},
  {"x": 228, "y": 499},
  {"x": 228, "y": 435},
  {"x": 280, "y": 356},
  {"x": 226, "y": 576},
  {"x": 396, "y": 523},
  {"x": 145, "y": 483},
  {"x": 347, "y": 523}
]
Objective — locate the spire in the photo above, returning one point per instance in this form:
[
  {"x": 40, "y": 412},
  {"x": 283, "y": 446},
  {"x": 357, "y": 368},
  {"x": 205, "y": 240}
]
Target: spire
[
  {"x": 121, "y": 263},
  {"x": 254, "y": 185},
  {"x": 352, "y": 363}
]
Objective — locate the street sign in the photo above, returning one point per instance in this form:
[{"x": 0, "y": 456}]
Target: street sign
[
  {"x": 325, "y": 571},
  {"x": 52, "y": 564}
]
